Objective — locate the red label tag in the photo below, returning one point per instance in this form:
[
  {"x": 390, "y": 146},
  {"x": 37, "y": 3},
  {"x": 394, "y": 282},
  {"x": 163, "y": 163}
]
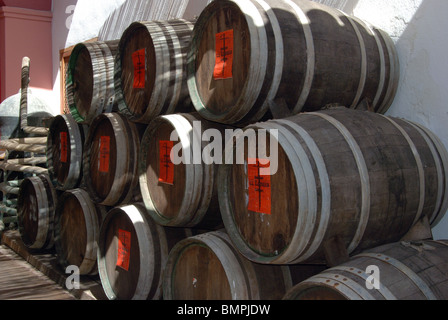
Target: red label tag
[
  {"x": 139, "y": 59},
  {"x": 224, "y": 55},
  {"x": 259, "y": 186},
  {"x": 166, "y": 167},
  {"x": 124, "y": 249},
  {"x": 104, "y": 153},
  {"x": 64, "y": 147}
]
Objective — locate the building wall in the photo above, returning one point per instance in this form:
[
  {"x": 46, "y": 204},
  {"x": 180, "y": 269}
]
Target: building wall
[
  {"x": 25, "y": 32},
  {"x": 418, "y": 29}
]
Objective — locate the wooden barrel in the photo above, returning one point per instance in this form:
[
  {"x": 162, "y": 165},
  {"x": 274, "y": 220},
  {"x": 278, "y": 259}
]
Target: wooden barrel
[
  {"x": 110, "y": 159},
  {"x": 344, "y": 176},
  {"x": 36, "y": 206},
  {"x": 65, "y": 145},
  {"x": 179, "y": 194},
  {"x": 90, "y": 79},
  {"x": 133, "y": 250},
  {"x": 240, "y": 65},
  {"x": 150, "y": 69},
  {"x": 396, "y": 271},
  {"x": 208, "y": 267},
  {"x": 77, "y": 227}
]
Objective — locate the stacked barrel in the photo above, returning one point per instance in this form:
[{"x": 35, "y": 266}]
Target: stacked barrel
[{"x": 161, "y": 208}]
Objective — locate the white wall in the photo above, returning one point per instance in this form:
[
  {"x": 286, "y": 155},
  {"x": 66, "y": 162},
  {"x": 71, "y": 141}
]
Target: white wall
[{"x": 419, "y": 30}]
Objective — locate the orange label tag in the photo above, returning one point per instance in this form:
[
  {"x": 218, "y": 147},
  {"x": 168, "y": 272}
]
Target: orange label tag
[
  {"x": 166, "y": 167},
  {"x": 139, "y": 59},
  {"x": 64, "y": 147},
  {"x": 259, "y": 186},
  {"x": 104, "y": 153},
  {"x": 224, "y": 55},
  {"x": 124, "y": 249}
]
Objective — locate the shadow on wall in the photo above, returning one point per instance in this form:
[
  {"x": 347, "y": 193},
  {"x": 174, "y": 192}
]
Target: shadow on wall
[
  {"x": 147, "y": 10},
  {"x": 347, "y": 6}
]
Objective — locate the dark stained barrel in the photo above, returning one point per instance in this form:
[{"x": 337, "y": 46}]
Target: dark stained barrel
[
  {"x": 133, "y": 251},
  {"x": 182, "y": 194},
  {"x": 65, "y": 145},
  {"x": 77, "y": 227},
  {"x": 208, "y": 267},
  {"x": 248, "y": 58},
  {"x": 36, "y": 207},
  {"x": 355, "y": 177},
  {"x": 150, "y": 78},
  {"x": 396, "y": 271},
  {"x": 110, "y": 159},
  {"x": 90, "y": 79}
]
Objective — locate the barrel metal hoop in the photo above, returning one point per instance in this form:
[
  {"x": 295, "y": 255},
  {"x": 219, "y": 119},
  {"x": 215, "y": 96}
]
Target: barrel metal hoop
[
  {"x": 116, "y": 191},
  {"x": 92, "y": 227},
  {"x": 75, "y": 152},
  {"x": 188, "y": 147},
  {"x": 108, "y": 65},
  {"x": 311, "y": 59},
  {"x": 325, "y": 185},
  {"x": 162, "y": 68},
  {"x": 363, "y": 176},
  {"x": 443, "y": 154},
  {"x": 363, "y": 75},
  {"x": 421, "y": 285},
  {"x": 178, "y": 73},
  {"x": 394, "y": 73},
  {"x": 383, "y": 290},
  {"x": 258, "y": 61},
  {"x": 239, "y": 287},
  {"x": 382, "y": 72},
  {"x": 70, "y": 83},
  {"x": 307, "y": 195},
  {"x": 279, "y": 53},
  {"x": 418, "y": 161},
  {"x": 43, "y": 214},
  {"x": 348, "y": 288},
  {"x": 147, "y": 266}
]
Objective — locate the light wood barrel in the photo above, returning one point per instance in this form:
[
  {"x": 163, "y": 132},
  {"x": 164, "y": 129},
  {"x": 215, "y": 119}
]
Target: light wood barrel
[
  {"x": 77, "y": 226},
  {"x": 150, "y": 78},
  {"x": 65, "y": 145},
  {"x": 90, "y": 79},
  {"x": 208, "y": 267},
  {"x": 183, "y": 194},
  {"x": 249, "y": 58},
  {"x": 110, "y": 159},
  {"x": 132, "y": 254},
  {"x": 357, "y": 177},
  {"x": 401, "y": 271},
  {"x": 36, "y": 206}
]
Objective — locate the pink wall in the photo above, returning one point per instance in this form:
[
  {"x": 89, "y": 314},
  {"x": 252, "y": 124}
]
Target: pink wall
[
  {"x": 43, "y": 5},
  {"x": 25, "y": 32}
]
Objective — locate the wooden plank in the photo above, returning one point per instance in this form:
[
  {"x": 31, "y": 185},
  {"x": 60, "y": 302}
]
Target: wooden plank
[
  {"x": 46, "y": 264},
  {"x": 20, "y": 281}
]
